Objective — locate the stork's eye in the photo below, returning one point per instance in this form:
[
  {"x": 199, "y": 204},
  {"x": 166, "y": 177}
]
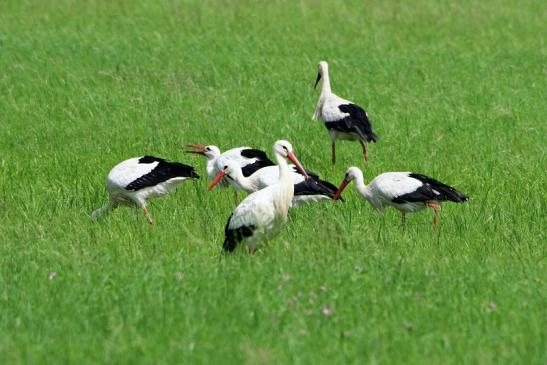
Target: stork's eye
[
  {"x": 285, "y": 148},
  {"x": 225, "y": 167}
]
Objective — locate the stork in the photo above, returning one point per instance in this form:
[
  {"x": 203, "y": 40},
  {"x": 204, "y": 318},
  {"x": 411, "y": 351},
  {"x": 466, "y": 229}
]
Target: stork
[
  {"x": 132, "y": 182},
  {"x": 344, "y": 119},
  {"x": 306, "y": 190},
  {"x": 263, "y": 213},
  {"x": 249, "y": 159},
  {"x": 405, "y": 191}
]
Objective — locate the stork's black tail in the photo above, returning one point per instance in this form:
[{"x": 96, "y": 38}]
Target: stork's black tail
[
  {"x": 446, "y": 192},
  {"x": 454, "y": 195},
  {"x": 372, "y": 137},
  {"x": 233, "y": 236}
]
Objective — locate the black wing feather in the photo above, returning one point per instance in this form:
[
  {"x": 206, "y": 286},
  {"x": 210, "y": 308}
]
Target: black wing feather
[
  {"x": 357, "y": 122},
  {"x": 165, "y": 170},
  {"x": 431, "y": 189},
  {"x": 262, "y": 161},
  {"x": 234, "y": 236},
  {"x": 310, "y": 173},
  {"x": 315, "y": 187},
  {"x": 254, "y": 153},
  {"x": 250, "y": 169}
]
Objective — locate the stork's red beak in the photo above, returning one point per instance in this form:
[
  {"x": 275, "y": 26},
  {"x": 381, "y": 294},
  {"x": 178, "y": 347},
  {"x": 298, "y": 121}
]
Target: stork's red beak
[
  {"x": 343, "y": 185},
  {"x": 297, "y": 163},
  {"x": 317, "y": 80},
  {"x": 196, "y": 149},
  {"x": 216, "y": 180}
]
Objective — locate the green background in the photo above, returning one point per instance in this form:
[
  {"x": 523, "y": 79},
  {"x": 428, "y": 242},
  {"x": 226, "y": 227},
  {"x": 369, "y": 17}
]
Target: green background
[{"x": 455, "y": 90}]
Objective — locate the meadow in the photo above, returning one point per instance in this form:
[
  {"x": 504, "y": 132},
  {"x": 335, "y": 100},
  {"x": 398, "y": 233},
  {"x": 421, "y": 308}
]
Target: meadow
[{"x": 455, "y": 90}]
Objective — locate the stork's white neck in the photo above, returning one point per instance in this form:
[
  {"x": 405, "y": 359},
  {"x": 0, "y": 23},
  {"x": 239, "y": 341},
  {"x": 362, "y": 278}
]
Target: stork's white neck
[
  {"x": 284, "y": 171},
  {"x": 361, "y": 187},
  {"x": 325, "y": 87},
  {"x": 284, "y": 191},
  {"x": 210, "y": 166},
  {"x": 246, "y": 183}
]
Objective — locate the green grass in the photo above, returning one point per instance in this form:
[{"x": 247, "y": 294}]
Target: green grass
[{"x": 455, "y": 90}]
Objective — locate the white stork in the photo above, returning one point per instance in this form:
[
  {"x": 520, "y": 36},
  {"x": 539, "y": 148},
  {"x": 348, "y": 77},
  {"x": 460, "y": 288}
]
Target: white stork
[
  {"x": 405, "y": 191},
  {"x": 263, "y": 213},
  {"x": 306, "y": 190},
  {"x": 249, "y": 159},
  {"x": 133, "y": 181},
  {"x": 344, "y": 119}
]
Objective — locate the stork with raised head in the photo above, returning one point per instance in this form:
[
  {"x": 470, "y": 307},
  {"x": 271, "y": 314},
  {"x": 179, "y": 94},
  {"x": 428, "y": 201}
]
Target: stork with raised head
[
  {"x": 263, "y": 213},
  {"x": 344, "y": 119},
  {"x": 405, "y": 191},
  {"x": 132, "y": 182},
  {"x": 249, "y": 159},
  {"x": 306, "y": 190}
]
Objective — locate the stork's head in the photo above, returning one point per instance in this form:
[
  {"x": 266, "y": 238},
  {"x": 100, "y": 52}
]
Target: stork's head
[
  {"x": 230, "y": 169},
  {"x": 351, "y": 174},
  {"x": 284, "y": 149},
  {"x": 322, "y": 68},
  {"x": 210, "y": 152}
]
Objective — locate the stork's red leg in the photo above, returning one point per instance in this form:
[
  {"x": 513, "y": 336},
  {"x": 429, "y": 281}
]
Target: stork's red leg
[
  {"x": 365, "y": 151},
  {"x": 148, "y": 216},
  {"x": 435, "y": 206},
  {"x": 333, "y": 147}
]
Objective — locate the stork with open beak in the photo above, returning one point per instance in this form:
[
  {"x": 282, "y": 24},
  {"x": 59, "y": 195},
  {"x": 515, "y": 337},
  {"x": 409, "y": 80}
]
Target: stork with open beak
[{"x": 249, "y": 159}]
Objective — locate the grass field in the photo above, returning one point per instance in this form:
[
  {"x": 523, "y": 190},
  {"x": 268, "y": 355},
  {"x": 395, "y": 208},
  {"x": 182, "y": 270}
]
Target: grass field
[{"x": 455, "y": 90}]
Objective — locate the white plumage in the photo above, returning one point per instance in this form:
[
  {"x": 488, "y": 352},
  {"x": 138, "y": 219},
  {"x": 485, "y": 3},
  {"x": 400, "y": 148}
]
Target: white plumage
[
  {"x": 307, "y": 190},
  {"x": 327, "y": 108},
  {"x": 343, "y": 119},
  {"x": 247, "y": 158},
  {"x": 132, "y": 182},
  {"x": 405, "y": 191},
  {"x": 262, "y": 214},
  {"x": 260, "y": 179}
]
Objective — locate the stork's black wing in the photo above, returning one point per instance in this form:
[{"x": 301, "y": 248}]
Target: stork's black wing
[
  {"x": 310, "y": 173},
  {"x": 431, "y": 189},
  {"x": 262, "y": 160},
  {"x": 356, "y": 122},
  {"x": 315, "y": 187},
  {"x": 165, "y": 170},
  {"x": 233, "y": 236}
]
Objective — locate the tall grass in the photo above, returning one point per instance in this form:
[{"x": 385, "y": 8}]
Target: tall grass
[{"x": 455, "y": 90}]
